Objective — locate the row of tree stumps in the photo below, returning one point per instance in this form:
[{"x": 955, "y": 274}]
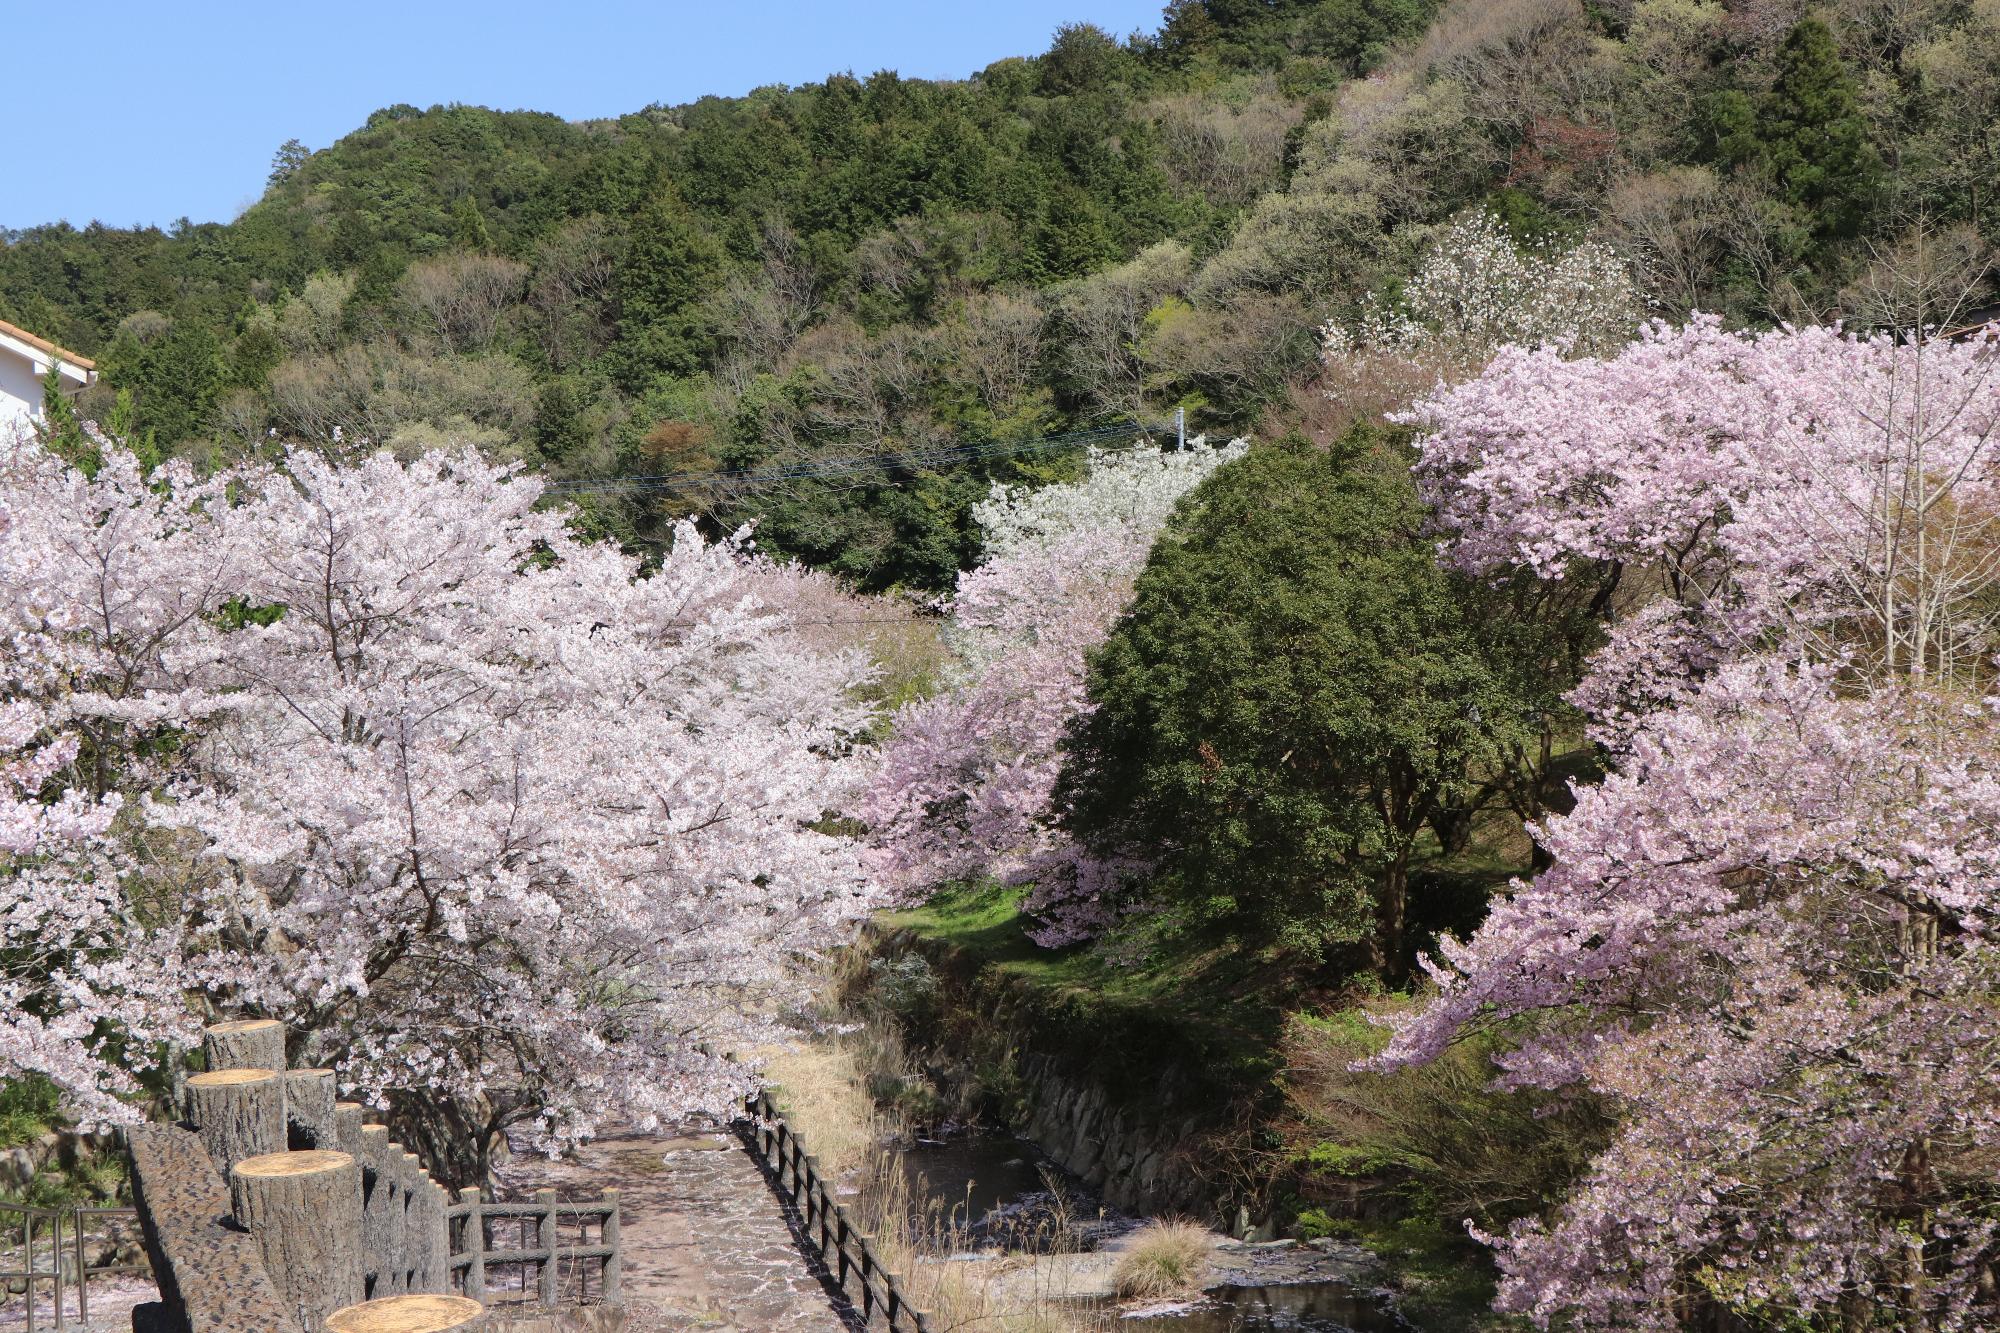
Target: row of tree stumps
[{"x": 350, "y": 1228}]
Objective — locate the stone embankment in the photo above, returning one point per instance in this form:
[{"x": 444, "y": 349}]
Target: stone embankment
[{"x": 1140, "y": 1135}]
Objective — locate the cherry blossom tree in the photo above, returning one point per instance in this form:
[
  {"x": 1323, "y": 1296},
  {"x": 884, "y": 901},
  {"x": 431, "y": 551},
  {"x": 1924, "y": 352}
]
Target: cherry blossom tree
[
  {"x": 1765, "y": 940},
  {"x": 966, "y": 777},
  {"x": 506, "y": 830},
  {"x": 98, "y": 575},
  {"x": 1802, "y": 486}
]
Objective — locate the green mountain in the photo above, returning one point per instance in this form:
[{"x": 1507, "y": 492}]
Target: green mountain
[{"x": 886, "y": 268}]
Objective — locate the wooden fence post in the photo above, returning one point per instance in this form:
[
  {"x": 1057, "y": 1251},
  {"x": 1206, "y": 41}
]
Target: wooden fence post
[
  {"x": 475, "y": 1243},
  {"x": 548, "y": 1240},
  {"x": 841, "y": 1234},
  {"x": 614, "y": 1263}
]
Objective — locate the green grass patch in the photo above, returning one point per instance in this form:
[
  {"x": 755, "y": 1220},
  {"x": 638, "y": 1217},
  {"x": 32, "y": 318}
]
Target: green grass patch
[
  {"x": 29, "y": 1108},
  {"x": 1155, "y": 998}
]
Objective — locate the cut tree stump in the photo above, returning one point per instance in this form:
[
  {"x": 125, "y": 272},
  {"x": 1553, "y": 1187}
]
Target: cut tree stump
[
  {"x": 407, "y": 1314},
  {"x": 382, "y": 1211},
  {"x": 305, "y": 1210},
  {"x": 238, "y": 1113},
  {"x": 246, "y": 1043},
  {"x": 310, "y": 1118},
  {"x": 347, "y": 1127}
]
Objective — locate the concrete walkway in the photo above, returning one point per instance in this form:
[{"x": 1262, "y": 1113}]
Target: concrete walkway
[{"x": 706, "y": 1245}]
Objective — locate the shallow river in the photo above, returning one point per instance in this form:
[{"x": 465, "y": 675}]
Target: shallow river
[{"x": 997, "y": 1188}]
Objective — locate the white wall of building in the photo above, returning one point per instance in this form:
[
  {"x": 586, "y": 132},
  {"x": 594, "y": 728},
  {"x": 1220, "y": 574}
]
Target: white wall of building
[{"x": 20, "y": 391}]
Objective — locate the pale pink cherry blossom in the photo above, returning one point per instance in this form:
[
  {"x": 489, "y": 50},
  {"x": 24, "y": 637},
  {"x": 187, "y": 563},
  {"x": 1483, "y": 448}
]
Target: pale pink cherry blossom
[
  {"x": 507, "y": 830},
  {"x": 1765, "y": 942},
  {"x": 966, "y": 778}
]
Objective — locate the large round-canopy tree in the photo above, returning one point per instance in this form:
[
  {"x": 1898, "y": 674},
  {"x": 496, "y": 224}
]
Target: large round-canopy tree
[
  {"x": 509, "y": 833},
  {"x": 1299, "y": 693}
]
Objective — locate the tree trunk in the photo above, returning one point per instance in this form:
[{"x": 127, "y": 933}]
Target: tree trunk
[
  {"x": 409, "y": 1314},
  {"x": 1391, "y": 909},
  {"x": 309, "y": 1113},
  {"x": 238, "y": 1113},
  {"x": 247, "y": 1043},
  {"x": 304, "y": 1208},
  {"x": 453, "y": 1137}
]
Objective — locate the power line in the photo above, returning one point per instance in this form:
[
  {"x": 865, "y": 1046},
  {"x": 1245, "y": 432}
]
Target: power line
[{"x": 839, "y": 467}]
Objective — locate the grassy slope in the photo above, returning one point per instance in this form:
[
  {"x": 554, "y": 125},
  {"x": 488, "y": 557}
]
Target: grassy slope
[{"x": 1214, "y": 1012}]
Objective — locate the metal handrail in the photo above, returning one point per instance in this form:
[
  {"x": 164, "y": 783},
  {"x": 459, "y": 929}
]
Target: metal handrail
[
  {"x": 842, "y": 1245},
  {"x": 66, "y": 1261}
]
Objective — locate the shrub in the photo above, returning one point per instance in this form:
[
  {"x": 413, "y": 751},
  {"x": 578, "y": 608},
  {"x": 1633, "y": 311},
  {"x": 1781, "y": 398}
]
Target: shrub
[{"x": 1164, "y": 1259}]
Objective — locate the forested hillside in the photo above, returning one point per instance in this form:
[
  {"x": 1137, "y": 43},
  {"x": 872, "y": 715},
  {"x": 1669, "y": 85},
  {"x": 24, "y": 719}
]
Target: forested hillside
[{"x": 885, "y": 267}]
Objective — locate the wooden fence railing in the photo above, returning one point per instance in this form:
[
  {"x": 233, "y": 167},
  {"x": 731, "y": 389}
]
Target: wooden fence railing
[
  {"x": 66, "y": 1275},
  {"x": 850, "y": 1258},
  {"x": 563, "y": 1272}
]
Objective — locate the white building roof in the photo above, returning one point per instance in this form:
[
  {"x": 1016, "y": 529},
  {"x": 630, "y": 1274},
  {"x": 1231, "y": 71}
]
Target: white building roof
[{"x": 42, "y": 353}]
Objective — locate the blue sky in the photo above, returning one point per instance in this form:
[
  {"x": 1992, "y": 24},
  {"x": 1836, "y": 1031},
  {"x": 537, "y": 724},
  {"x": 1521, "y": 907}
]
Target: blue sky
[{"x": 131, "y": 112}]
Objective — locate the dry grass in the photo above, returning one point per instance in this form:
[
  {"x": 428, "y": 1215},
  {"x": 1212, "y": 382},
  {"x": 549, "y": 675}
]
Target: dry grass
[
  {"x": 823, "y": 1089},
  {"x": 1165, "y": 1259}
]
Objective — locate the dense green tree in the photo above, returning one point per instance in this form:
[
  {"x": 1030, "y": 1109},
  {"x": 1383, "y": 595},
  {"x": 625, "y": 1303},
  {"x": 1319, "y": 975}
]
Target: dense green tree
[
  {"x": 60, "y": 429},
  {"x": 174, "y": 377},
  {"x": 468, "y": 227},
  {"x": 1296, "y": 695},
  {"x": 670, "y": 264},
  {"x": 1807, "y": 132},
  {"x": 1815, "y": 136}
]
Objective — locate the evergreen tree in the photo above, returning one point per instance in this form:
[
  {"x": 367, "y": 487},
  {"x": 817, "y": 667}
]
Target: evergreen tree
[
  {"x": 468, "y": 226},
  {"x": 1814, "y": 137},
  {"x": 285, "y": 163},
  {"x": 1296, "y": 696},
  {"x": 60, "y": 430},
  {"x": 670, "y": 265}
]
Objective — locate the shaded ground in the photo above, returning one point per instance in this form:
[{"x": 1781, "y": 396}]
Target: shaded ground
[{"x": 706, "y": 1245}]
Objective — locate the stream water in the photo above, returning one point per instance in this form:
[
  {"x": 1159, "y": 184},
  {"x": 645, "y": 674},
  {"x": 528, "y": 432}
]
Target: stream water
[
  {"x": 995, "y": 1190},
  {"x": 1303, "y": 1307}
]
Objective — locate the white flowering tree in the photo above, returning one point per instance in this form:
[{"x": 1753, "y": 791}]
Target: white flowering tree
[
  {"x": 508, "y": 832},
  {"x": 1475, "y": 291}
]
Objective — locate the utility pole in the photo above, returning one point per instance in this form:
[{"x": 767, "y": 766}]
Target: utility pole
[{"x": 1180, "y": 428}]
